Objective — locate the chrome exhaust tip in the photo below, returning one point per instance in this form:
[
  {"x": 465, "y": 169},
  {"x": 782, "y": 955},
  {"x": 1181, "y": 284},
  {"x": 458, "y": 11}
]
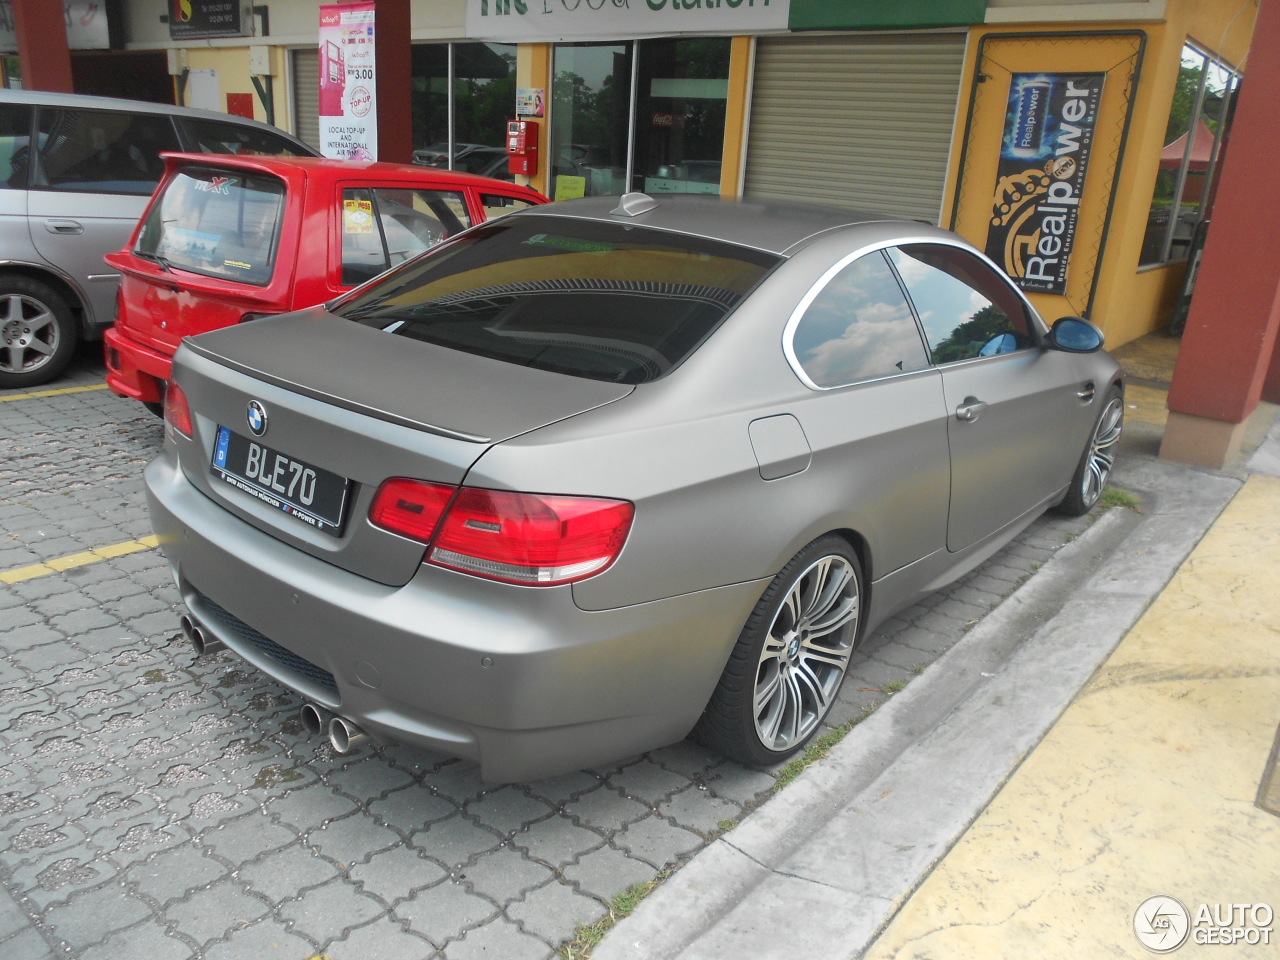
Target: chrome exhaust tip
[
  {"x": 315, "y": 720},
  {"x": 201, "y": 642},
  {"x": 344, "y": 736}
]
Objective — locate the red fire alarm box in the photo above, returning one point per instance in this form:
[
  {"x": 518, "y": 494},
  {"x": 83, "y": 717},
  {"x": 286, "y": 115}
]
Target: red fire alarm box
[{"x": 522, "y": 147}]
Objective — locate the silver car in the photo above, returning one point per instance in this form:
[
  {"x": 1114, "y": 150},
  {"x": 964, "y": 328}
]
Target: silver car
[
  {"x": 599, "y": 474},
  {"x": 75, "y": 175}
]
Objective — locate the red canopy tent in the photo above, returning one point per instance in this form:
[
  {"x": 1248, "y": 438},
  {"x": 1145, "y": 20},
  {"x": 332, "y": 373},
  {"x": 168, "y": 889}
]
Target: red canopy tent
[{"x": 1201, "y": 151}]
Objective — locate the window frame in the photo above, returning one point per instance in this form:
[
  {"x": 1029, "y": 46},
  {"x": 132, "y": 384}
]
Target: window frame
[{"x": 1034, "y": 321}]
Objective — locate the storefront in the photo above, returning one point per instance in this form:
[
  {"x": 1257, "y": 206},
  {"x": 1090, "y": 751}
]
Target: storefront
[{"x": 903, "y": 108}]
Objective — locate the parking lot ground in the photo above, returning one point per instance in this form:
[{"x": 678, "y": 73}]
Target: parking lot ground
[{"x": 158, "y": 805}]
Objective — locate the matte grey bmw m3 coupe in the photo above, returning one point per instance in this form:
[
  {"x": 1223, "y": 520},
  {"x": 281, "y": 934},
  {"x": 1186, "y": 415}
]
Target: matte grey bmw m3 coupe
[{"x": 586, "y": 479}]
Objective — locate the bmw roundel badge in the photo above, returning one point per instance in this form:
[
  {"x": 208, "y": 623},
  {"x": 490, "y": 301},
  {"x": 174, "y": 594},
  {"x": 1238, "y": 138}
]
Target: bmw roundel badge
[{"x": 257, "y": 417}]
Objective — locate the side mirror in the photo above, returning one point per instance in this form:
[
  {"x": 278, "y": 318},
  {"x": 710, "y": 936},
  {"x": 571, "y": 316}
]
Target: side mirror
[{"x": 1075, "y": 335}]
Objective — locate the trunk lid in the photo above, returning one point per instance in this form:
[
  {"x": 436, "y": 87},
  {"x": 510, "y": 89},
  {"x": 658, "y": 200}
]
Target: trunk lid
[{"x": 353, "y": 406}]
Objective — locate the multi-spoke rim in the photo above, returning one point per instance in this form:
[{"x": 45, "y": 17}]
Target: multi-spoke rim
[
  {"x": 29, "y": 334},
  {"x": 806, "y": 652},
  {"x": 1102, "y": 451}
]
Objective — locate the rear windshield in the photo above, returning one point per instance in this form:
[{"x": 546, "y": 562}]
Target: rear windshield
[
  {"x": 603, "y": 301},
  {"x": 219, "y": 223}
]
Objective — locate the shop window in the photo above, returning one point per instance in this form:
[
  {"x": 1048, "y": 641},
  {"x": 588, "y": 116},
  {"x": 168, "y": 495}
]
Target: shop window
[
  {"x": 664, "y": 134},
  {"x": 683, "y": 90},
  {"x": 475, "y": 83},
  {"x": 590, "y": 111},
  {"x": 1197, "y": 124}
]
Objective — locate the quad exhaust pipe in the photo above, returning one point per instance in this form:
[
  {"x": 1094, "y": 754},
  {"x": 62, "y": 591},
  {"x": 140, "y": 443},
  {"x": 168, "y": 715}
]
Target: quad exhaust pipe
[
  {"x": 344, "y": 736},
  {"x": 201, "y": 641}
]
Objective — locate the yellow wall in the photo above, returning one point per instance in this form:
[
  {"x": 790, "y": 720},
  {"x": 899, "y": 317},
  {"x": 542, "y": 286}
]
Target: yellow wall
[
  {"x": 1128, "y": 303},
  {"x": 232, "y": 64}
]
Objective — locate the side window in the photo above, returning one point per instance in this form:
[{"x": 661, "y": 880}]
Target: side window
[
  {"x": 15, "y": 145},
  {"x": 102, "y": 151},
  {"x": 965, "y": 308},
  {"x": 859, "y": 326},
  {"x": 384, "y": 226},
  {"x": 211, "y": 136},
  {"x": 496, "y": 205}
]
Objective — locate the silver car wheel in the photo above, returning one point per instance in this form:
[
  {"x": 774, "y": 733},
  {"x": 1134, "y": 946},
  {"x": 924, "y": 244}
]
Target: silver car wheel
[
  {"x": 1101, "y": 456},
  {"x": 805, "y": 653},
  {"x": 29, "y": 327},
  {"x": 37, "y": 332}
]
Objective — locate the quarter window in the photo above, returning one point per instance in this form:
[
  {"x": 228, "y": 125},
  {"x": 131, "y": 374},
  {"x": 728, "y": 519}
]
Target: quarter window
[
  {"x": 965, "y": 308},
  {"x": 15, "y": 145},
  {"x": 859, "y": 326}
]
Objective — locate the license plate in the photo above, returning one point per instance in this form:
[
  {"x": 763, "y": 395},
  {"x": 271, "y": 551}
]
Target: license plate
[{"x": 316, "y": 497}]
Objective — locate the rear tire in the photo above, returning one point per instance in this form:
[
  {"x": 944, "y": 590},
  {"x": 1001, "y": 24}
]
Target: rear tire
[
  {"x": 1099, "y": 457},
  {"x": 37, "y": 332},
  {"x": 790, "y": 659}
]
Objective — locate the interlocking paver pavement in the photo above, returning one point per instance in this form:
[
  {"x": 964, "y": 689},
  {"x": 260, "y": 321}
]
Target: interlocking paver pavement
[{"x": 154, "y": 805}]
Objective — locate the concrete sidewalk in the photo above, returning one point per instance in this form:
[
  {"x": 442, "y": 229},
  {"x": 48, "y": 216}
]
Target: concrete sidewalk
[
  {"x": 1098, "y": 740},
  {"x": 1152, "y": 783}
]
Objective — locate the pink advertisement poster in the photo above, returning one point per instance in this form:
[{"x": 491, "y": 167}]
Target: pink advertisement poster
[{"x": 348, "y": 108}]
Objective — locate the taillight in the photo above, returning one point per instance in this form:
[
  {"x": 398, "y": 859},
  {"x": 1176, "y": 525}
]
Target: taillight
[
  {"x": 530, "y": 539},
  {"x": 177, "y": 415},
  {"x": 410, "y": 508},
  {"x": 500, "y": 535}
]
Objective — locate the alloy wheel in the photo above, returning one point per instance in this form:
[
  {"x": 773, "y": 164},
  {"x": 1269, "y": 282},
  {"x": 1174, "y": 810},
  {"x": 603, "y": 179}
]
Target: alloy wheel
[
  {"x": 29, "y": 334},
  {"x": 1102, "y": 451},
  {"x": 806, "y": 652}
]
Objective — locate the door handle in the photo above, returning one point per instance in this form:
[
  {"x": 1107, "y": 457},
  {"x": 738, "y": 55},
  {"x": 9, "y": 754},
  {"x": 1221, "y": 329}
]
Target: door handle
[
  {"x": 1086, "y": 393},
  {"x": 69, "y": 228},
  {"x": 971, "y": 409}
]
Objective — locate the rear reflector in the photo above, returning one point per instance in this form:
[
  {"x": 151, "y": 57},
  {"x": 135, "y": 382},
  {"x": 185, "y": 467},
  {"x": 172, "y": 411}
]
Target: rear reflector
[
  {"x": 177, "y": 415},
  {"x": 501, "y": 535}
]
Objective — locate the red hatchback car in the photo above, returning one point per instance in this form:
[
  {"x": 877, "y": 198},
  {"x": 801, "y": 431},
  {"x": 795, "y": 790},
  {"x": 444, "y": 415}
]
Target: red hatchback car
[{"x": 230, "y": 239}]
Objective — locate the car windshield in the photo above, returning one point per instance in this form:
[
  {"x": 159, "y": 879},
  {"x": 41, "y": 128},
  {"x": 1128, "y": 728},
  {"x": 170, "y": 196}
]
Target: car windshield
[
  {"x": 221, "y": 223},
  {"x": 602, "y": 301}
]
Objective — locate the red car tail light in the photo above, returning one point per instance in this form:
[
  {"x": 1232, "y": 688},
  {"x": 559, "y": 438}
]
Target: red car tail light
[
  {"x": 530, "y": 539},
  {"x": 411, "y": 508},
  {"x": 177, "y": 414}
]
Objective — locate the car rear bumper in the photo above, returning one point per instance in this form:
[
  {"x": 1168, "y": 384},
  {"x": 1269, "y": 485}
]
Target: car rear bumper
[
  {"x": 134, "y": 370},
  {"x": 518, "y": 679}
]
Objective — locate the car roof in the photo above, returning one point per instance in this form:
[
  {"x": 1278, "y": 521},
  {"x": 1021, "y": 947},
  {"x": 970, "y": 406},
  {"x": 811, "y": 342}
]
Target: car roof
[
  {"x": 327, "y": 168},
  {"x": 769, "y": 225},
  {"x": 87, "y": 101}
]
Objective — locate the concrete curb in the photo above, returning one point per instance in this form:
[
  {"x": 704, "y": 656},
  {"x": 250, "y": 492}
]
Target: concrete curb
[{"x": 822, "y": 867}]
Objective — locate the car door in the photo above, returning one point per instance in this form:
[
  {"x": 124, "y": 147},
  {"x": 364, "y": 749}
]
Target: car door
[
  {"x": 1016, "y": 411},
  {"x": 94, "y": 171}
]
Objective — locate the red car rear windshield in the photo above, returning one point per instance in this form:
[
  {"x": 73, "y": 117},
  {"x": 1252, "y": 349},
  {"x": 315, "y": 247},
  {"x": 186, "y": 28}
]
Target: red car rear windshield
[
  {"x": 220, "y": 223},
  {"x": 603, "y": 301}
]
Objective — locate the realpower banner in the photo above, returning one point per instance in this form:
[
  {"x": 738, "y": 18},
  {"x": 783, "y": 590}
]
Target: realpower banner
[
  {"x": 1044, "y": 158},
  {"x": 348, "y": 108}
]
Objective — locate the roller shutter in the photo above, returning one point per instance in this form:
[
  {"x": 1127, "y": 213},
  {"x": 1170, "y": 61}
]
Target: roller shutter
[
  {"x": 306, "y": 95},
  {"x": 859, "y": 121}
]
